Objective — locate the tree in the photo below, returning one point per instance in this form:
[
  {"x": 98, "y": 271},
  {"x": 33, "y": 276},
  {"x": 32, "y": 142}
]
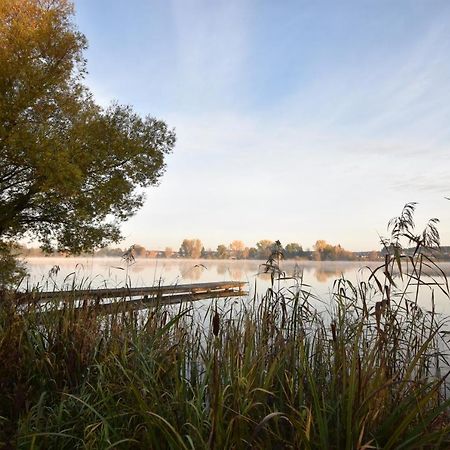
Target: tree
[
  {"x": 111, "y": 252},
  {"x": 293, "y": 250},
  {"x": 322, "y": 250},
  {"x": 139, "y": 251},
  {"x": 11, "y": 271},
  {"x": 237, "y": 249},
  {"x": 191, "y": 248},
  {"x": 325, "y": 251},
  {"x": 222, "y": 251},
  {"x": 264, "y": 248},
  {"x": 70, "y": 170}
]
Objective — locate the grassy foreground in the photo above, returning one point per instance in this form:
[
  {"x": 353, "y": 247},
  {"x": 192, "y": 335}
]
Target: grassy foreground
[
  {"x": 269, "y": 373},
  {"x": 265, "y": 374}
]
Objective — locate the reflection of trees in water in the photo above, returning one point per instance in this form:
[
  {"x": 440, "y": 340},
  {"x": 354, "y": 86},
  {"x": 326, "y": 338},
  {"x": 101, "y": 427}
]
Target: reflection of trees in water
[
  {"x": 234, "y": 272},
  {"x": 135, "y": 268},
  {"x": 194, "y": 273},
  {"x": 266, "y": 276},
  {"x": 322, "y": 272},
  {"x": 237, "y": 270},
  {"x": 221, "y": 269},
  {"x": 322, "y": 275}
]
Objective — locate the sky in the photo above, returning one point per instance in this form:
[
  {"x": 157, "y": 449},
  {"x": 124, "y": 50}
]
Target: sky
[{"x": 295, "y": 120}]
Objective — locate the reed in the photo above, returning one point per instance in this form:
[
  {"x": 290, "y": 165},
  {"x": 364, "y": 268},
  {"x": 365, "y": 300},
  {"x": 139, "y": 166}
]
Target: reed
[{"x": 279, "y": 371}]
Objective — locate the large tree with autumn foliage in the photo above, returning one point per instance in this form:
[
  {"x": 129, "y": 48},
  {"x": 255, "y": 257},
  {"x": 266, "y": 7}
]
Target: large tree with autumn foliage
[{"x": 70, "y": 170}]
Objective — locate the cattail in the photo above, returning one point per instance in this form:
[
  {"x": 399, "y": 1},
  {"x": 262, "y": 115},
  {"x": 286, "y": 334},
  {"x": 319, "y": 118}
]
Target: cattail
[
  {"x": 216, "y": 323},
  {"x": 333, "y": 331}
]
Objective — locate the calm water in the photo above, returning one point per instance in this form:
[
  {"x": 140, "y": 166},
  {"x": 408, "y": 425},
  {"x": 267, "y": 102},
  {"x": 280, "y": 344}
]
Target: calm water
[{"x": 318, "y": 277}]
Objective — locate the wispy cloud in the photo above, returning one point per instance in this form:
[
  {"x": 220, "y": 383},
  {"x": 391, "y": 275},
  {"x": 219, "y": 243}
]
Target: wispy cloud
[
  {"x": 435, "y": 184},
  {"x": 211, "y": 45},
  {"x": 334, "y": 115}
]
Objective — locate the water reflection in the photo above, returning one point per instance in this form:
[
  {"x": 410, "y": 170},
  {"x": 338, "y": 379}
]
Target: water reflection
[
  {"x": 193, "y": 273},
  {"x": 112, "y": 272},
  {"x": 221, "y": 269},
  {"x": 264, "y": 276},
  {"x": 322, "y": 275}
]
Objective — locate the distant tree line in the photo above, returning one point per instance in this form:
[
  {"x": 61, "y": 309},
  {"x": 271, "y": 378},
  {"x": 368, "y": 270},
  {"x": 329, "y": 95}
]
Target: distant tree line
[{"x": 194, "y": 249}]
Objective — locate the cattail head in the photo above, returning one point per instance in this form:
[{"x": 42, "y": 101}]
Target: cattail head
[
  {"x": 333, "y": 331},
  {"x": 216, "y": 323}
]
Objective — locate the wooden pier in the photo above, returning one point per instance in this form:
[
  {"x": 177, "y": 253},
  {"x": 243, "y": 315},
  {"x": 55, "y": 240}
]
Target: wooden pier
[{"x": 115, "y": 299}]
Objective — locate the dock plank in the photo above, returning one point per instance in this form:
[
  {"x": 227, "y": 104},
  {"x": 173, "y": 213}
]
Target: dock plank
[{"x": 210, "y": 288}]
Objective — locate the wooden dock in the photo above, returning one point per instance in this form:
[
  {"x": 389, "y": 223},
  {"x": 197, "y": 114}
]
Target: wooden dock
[{"x": 111, "y": 299}]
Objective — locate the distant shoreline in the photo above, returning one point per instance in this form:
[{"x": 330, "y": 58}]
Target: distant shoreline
[{"x": 207, "y": 259}]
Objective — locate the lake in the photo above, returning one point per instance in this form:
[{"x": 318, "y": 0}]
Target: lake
[{"x": 318, "y": 277}]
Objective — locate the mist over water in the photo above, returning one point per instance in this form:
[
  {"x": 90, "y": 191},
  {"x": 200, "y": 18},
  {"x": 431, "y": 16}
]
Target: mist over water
[{"x": 49, "y": 273}]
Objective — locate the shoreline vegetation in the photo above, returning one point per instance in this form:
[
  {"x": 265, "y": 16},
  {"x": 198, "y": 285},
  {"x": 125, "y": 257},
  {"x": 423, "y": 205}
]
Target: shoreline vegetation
[
  {"x": 236, "y": 250},
  {"x": 271, "y": 371}
]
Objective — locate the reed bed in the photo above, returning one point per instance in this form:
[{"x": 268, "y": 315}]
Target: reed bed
[
  {"x": 368, "y": 371},
  {"x": 266, "y": 373}
]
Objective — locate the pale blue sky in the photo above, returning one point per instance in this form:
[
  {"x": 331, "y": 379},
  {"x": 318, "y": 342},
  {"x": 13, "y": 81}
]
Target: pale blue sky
[{"x": 296, "y": 120}]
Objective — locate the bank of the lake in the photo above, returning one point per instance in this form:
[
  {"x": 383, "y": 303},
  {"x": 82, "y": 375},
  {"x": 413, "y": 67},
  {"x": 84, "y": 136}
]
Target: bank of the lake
[{"x": 361, "y": 364}]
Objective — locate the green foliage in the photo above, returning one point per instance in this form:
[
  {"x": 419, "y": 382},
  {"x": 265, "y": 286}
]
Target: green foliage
[
  {"x": 293, "y": 250},
  {"x": 222, "y": 251},
  {"x": 70, "y": 171},
  {"x": 264, "y": 248},
  {"x": 274, "y": 375},
  {"x": 12, "y": 270},
  {"x": 271, "y": 372}
]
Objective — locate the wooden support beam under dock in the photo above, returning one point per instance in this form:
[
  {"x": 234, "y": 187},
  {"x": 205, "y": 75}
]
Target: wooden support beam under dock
[
  {"x": 136, "y": 304},
  {"x": 138, "y": 297}
]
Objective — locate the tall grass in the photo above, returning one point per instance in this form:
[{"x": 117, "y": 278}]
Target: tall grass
[{"x": 270, "y": 372}]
